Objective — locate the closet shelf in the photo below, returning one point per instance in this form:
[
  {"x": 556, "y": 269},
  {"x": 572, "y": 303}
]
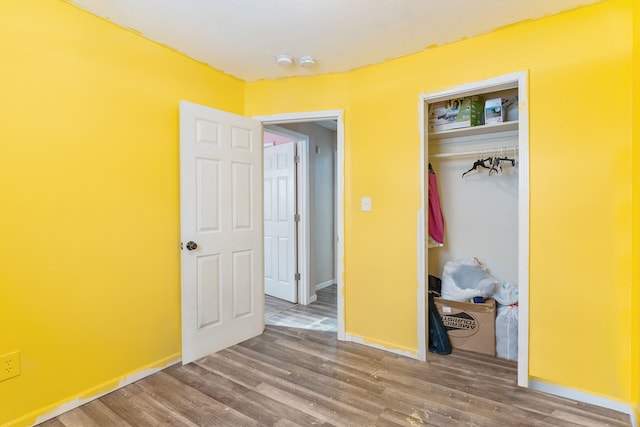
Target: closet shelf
[{"x": 476, "y": 130}]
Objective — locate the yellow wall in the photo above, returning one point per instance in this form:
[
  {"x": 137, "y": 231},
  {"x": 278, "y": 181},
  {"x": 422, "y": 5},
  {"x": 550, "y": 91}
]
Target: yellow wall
[
  {"x": 89, "y": 200},
  {"x": 579, "y": 66},
  {"x": 635, "y": 298},
  {"x": 89, "y": 193}
]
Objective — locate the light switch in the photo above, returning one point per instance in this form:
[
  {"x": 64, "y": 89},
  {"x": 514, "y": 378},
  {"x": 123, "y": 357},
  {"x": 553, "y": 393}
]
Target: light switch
[{"x": 366, "y": 204}]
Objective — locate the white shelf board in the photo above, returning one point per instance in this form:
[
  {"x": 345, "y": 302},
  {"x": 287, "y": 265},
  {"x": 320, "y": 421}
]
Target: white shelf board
[{"x": 475, "y": 130}]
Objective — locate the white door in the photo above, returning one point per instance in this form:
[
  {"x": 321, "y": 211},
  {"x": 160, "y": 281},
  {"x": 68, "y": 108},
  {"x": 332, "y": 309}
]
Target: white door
[
  {"x": 221, "y": 229},
  {"x": 279, "y": 222}
]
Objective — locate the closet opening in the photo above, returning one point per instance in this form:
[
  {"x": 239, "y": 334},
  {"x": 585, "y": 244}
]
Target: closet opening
[{"x": 474, "y": 231}]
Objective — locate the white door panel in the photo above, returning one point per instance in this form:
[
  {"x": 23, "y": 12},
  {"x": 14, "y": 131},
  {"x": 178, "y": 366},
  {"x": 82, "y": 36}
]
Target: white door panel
[
  {"x": 221, "y": 211},
  {"x": 279, "y": 221}
]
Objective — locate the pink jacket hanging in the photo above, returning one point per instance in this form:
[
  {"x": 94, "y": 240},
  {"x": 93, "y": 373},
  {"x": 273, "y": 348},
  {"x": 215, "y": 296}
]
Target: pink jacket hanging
[{"x": 436, "y": 219}]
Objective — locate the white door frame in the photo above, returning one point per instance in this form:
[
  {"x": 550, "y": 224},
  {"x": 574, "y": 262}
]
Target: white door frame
[
  {"x": 314, "y": 116},
  {"x": 303, "y": 228},
  {"x": 519, "y": 80}
]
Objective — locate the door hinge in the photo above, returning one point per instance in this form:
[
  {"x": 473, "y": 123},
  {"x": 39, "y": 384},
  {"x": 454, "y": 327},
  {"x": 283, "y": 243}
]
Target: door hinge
[
  {"x": 296, "y": 217},
  {"x": 297, "y": 276},
  {"x": 296, "y": 159}
]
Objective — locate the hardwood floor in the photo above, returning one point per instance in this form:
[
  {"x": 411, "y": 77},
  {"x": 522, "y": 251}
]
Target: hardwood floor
[
  {"x": 303, "y": 376},
  {"x": 320, "y": 316}
]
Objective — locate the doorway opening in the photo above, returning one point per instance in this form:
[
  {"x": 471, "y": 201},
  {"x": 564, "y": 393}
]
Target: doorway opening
[{"x": 319, "y": 141}]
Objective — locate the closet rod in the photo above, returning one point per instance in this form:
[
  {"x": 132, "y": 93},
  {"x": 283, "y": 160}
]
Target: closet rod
[{"x": 471, "y": 153}]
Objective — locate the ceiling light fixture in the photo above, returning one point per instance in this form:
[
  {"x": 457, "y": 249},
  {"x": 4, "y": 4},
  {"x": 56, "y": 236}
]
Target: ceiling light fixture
[
  {"x": 306, "y": 61},
  {"x": 284, "y": 60}
]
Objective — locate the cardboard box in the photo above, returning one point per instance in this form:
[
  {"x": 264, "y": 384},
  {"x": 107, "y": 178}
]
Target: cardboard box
[
  {"x": 510, "y": 107},
  {"x": 493, "y": 111},
  {"x": 470, "y": 326},
  {"x": 456, "y": 113}
]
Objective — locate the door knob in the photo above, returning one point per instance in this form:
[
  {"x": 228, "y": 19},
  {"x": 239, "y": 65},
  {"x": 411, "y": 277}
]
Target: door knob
[{"x": 192, "y": 245}]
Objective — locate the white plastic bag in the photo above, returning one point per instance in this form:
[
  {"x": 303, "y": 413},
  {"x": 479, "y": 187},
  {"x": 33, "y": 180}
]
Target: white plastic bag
[
  {"x": 466, "y": 278},
  {"x": 506, "y": 294},
  {"x": 507, "y": 321},
  {"x": 507, "y": 332}
]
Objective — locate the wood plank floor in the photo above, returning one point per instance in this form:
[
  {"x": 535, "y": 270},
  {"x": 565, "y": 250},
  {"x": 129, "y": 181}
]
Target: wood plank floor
[
  {"x": 303, "y": 376},
  {"x": 320, "y": 316}
]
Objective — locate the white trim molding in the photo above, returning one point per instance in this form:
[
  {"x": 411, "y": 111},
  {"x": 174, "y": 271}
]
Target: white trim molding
[
  {"x": 581, "y": 396},
  {"x": 325, "y": 284},
  {"x": 363, "y": 341},
  {"x": 122, "y": 382}
]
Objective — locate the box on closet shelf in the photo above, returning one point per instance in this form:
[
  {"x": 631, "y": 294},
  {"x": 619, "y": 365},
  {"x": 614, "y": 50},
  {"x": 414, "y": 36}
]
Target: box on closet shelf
[
  {"x": 493, "y": 111},
  {"x": 456, "y": 113},
  {"x": 470, "y": 326}
]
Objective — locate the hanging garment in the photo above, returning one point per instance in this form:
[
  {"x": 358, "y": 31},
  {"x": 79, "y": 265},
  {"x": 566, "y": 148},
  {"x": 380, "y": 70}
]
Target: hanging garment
[{"x": 436, "y": 219}]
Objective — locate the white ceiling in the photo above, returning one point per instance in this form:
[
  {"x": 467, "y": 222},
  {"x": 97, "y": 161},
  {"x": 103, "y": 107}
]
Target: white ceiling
[{"x": 243, "y": 37}]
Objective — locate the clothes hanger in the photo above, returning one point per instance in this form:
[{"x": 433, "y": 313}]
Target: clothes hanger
[
  {"x": 480, "y": 163},
  {"x": 495, "y": 165},
  {"x": 504, "y": 157}
]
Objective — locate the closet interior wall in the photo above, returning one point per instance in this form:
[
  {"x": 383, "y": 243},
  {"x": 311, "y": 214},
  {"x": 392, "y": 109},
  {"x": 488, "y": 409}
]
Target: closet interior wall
[{"x": 480, "y": 209}]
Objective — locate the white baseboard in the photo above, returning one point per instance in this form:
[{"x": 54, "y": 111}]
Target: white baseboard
[
  {"x": 313, "y": 298},
  {"x": 359, "y": 340},
  {"x": 584, "y": 397},
  {"x": 325, "y": 284},
  {"x": 123, "y": 382}
]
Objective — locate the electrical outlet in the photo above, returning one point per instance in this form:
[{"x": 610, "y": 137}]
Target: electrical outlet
[
  {"x": 366, "y": 204},
  {"x": 9, "y": 365}
]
